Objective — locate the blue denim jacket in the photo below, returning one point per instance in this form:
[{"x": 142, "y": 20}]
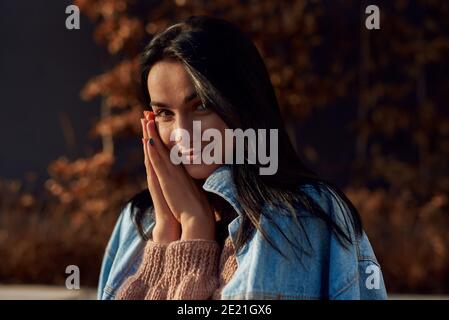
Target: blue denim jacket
[{"x": 327, "y": 271}]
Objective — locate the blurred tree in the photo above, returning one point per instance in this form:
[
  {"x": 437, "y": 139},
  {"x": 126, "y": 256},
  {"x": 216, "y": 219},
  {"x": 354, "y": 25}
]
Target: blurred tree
[{"x": 403, "y": 142}]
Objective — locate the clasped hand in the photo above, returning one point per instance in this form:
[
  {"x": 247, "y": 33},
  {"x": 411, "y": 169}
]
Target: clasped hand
[{"x": 182, "y": 210}]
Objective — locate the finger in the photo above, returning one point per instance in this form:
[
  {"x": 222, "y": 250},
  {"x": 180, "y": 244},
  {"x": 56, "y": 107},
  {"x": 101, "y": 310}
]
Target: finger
[
  {"x": 159, "y": 202},
  {"x": 153, "y": 182},
  {"x": 147, "y": 115},
  {"x": 157, "y": 142},
  {"x": 146, "y": 157},
  {"x": 144, "y": 121},
  {"x": 144, "y": 130},
  {"x": 156, "y": 150}
]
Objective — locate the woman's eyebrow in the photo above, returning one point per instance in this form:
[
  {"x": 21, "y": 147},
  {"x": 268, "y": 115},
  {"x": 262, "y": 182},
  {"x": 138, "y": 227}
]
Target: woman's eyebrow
[
  {"x": 187, "y": 99},
  {"x": 190, "y": 97}
]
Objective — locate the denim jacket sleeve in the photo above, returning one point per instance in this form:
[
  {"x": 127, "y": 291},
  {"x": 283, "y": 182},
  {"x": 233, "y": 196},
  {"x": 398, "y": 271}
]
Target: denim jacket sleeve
[
  {"x": 354, "y": 272},
  {"x": 109, "y": 255},
  {"x": 123, "y": 252}
]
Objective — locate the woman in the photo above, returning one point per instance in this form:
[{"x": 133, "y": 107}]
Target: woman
[{"x": 225, "y": 231}]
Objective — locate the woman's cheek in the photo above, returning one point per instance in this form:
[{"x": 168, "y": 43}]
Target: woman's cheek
[{"x": 164, "y": 133}]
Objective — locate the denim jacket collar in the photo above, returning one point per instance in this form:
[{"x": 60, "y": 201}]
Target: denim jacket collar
[{"x": 222, "y": 184}]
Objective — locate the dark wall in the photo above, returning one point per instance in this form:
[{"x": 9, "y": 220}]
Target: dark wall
[{"x": 43, "y": 67}]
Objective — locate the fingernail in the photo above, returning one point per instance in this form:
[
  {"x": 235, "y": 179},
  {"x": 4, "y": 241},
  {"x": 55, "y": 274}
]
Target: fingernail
[
  {"x": 151, "y": 141},
  {"x": 146, "y": 114},
  {"x": 151, "y": 115}
]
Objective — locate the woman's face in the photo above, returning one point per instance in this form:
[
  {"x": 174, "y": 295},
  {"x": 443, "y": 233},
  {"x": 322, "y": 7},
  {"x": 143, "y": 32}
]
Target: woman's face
[{"x": 176, "y": 105}]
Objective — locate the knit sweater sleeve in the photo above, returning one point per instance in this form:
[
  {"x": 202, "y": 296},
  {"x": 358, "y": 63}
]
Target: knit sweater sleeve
[
  {"x": 190, "y": 271},
  {"x": 182, "y": 269},
  {"x": 147, "y": 276}
]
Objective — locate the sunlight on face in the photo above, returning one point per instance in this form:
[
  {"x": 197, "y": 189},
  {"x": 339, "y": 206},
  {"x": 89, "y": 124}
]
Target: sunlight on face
[{"x": 176, "y": 105}]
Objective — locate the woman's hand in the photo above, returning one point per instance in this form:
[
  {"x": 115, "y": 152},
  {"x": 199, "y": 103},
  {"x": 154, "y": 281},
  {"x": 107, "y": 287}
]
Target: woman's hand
[
  {"x": 167, "y": 228},
  {"x": 185, "y": 200}
]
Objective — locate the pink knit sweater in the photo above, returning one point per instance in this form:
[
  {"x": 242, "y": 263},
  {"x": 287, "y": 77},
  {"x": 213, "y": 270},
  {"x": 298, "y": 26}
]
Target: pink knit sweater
[{"x": 183, "y": 269}]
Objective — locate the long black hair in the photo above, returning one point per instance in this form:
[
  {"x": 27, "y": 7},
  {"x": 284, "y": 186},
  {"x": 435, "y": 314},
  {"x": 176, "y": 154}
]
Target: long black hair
[{"x": 230, "y": 77}]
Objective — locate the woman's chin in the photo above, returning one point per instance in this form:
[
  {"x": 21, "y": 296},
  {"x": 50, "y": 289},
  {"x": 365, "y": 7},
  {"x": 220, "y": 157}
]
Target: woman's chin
[{"x": 200, "y": 171}]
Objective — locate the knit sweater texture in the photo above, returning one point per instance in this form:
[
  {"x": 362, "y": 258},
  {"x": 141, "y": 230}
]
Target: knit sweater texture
[{"x": 181, "y": 270}]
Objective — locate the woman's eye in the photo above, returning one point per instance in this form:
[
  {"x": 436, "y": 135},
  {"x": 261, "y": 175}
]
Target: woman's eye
[
  {"x": 164, "y": 114},
  {"x": 201, "y": 107}
]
